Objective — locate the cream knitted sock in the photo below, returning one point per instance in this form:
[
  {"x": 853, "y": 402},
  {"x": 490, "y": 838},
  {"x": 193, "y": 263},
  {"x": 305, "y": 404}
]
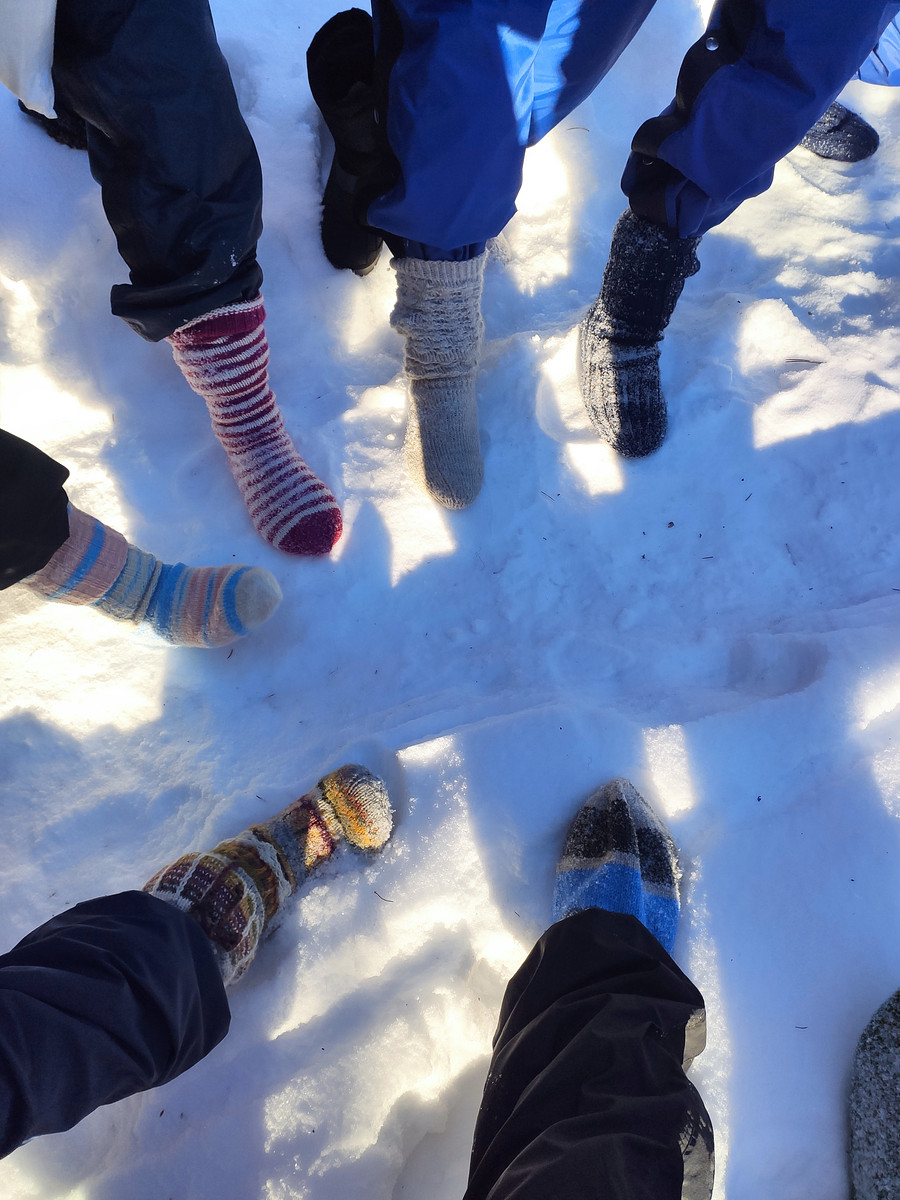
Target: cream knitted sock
[{"x": 438, "y": 310}]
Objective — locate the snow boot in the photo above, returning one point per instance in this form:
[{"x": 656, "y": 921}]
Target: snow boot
[
  {"x": 340, "y": 63},
  {"x": 618, "y": 855},
  {"x": 187, "y": 606},
  {"x": 841, "y": 135},
  {"x": 235, "y": 889},
  {"x": 438, "y": 310},
  {"x": 67, "y": 128},
  {"x": 620, "y": 335},
  {"x": 875, "y": 1107}
]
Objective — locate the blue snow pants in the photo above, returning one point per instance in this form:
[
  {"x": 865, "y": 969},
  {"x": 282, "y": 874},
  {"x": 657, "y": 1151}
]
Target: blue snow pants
[
  {"x": 467, "y": 87},
  {"x": 763, "y": 72},
  {"x": 110, "y": 998}
]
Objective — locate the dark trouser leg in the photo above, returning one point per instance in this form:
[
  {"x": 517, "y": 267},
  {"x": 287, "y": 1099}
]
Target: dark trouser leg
[
  {"x": 759, "y": 77},
  {"x": 586, "y": 1095},
  {"x": 115, "y": 996},
  {"x": 33, "y": 520},
  {"x": 167, "y": 143}
]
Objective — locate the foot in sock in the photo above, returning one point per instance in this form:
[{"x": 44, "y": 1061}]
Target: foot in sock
[
  {"x": 841, "y": 135},
  {"x": 620, "y": 335},
  {"x": 188, "y": 606},
  {"x": 438, "y": 310},
  {"x": 875, "y": 1107},
  {"x": 619, "y": 856},
  {"x": 235, "y": 890},
  {"x": 224, "y": 356}
]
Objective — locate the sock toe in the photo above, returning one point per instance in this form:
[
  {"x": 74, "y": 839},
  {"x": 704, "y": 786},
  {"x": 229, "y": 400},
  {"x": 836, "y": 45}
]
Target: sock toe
[
  {"x": 315, "y": 534},
  {"x": 256, "y": 596},
  {"x": 361, "y": 805}
]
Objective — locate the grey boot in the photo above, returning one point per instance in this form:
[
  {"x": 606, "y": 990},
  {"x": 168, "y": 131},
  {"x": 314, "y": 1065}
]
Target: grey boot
[
  {"x": 875, "y": 1107},
  {"x": 620, "y": 335},
  {"x": 438, "y": 310},
  {"x": 841, "y": 135}
]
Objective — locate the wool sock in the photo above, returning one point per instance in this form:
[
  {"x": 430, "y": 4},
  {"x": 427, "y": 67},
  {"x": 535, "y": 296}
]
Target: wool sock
[
  {"x": 224, "y": 356},
  {"x": 188, "y": 606},
  {"x": 438, "y": 310},
  {"x": 620, "y": 335},
  {"x": 619, "y": 856},
  {"x": 235, "y": 890},
  {"x": 841, "y": 135},
  {"x": 875, "y": 1107}
]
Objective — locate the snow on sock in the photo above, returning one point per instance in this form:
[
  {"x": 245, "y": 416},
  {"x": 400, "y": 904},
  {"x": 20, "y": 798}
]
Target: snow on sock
[
  {"x": 188, "y": 606},
  {"x": 841, "y": 135},
  {"x": 620, "y": 335},
  {"x": 438, "y": 310},
  {"x": 875, "y": 1107},
  {"x": 224, "y": 356},
  {"x": 235, "y": 890},
  {"x": 619, "y": 856}
]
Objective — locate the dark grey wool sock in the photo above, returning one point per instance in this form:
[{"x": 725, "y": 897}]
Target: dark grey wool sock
[
  {"x": 841, "y": 135},
  {"x": 620, "y": 335},
  {"x": 875, "y": 1107}
]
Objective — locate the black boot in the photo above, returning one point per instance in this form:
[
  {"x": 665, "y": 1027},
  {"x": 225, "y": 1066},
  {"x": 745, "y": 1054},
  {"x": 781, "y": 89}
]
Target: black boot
[
  {"x": 620, "y": 335},
  {"x": 842, "y": 135},
  {"x": 68, "y": 128},
  {"x": 340, "y": 62}
]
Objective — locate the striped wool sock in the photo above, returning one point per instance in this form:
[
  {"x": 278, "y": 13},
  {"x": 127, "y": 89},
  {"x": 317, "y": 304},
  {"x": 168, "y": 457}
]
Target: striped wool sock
[
  {"x": 224, "y": 356},
  {"x": 234, "y": 890},
  {"x": 188, "y": 606},
  {"x": 619, "y": 856}
]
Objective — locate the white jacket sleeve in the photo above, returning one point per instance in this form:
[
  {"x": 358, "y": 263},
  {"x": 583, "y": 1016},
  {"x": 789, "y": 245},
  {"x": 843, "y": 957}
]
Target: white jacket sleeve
[{"x": 26, "y": 51}]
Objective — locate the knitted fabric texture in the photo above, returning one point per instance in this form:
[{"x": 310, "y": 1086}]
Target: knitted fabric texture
[
  {"x": 438, "y": 310},
  {"x": 619, "y": 856},
  {"x": 188, "y": 606},
  {"x": 841, "y": 135},
  {"x": 235, "y": 889},
  {"x": 224, "y": 356},
  {"x": 620, "y": 385},
  {"x": 875, "y": 1107}
]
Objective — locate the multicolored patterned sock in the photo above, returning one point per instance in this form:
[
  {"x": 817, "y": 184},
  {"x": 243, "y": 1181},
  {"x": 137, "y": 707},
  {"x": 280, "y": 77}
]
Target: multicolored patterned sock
[
  {"x": 234, "y": 890},
  {"x": 188, "y": 606},
  {"x": 224, "y": 356},
  {"x": 619, "y": 856},
  {"x": 438, "y": 310}
]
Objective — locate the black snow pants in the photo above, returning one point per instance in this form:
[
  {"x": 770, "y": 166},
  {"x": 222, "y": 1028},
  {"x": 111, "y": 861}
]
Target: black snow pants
[
  {"x": 586, "y": 1097},
  {"x": 180, "y": 176},
  {"x": 110, "y": 998},
  {"x": 33, "y": 518}
]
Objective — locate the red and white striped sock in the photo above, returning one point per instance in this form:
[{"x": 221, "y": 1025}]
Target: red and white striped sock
[{"x": 224, "y": 356}]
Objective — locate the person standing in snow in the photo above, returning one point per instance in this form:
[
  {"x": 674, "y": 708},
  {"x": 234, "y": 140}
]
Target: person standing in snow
[
  {"x": 460, "y": 92},
  {"x": 748, "y": 90},
  {"x": 125, "y": 992},
  {"x": 59, "y": 552},
  {"x": 586, "y": 1093},
  {"x": 182, "y": 190}
]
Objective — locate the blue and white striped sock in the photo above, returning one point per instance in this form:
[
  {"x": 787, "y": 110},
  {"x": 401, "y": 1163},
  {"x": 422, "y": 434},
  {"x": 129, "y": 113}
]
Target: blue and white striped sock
[
  {"x": 188, "y": 606},
  {"x": 619, "y": 856}
]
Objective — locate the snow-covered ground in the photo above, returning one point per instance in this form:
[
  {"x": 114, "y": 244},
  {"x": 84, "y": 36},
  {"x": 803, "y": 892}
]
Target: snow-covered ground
[{"x": 718, "y": 622}]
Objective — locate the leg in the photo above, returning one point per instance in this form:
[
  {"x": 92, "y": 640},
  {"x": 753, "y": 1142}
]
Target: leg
[
  {"x": 586, "y": 1093},
  {"x": 167, "y": 143},
  {"x": 110, "y": 998},
  {"x": 33, "y": 505}
]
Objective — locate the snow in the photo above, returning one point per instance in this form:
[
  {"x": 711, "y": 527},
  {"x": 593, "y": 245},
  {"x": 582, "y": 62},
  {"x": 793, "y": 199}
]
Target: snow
[{"x": 717, "y": 623}]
